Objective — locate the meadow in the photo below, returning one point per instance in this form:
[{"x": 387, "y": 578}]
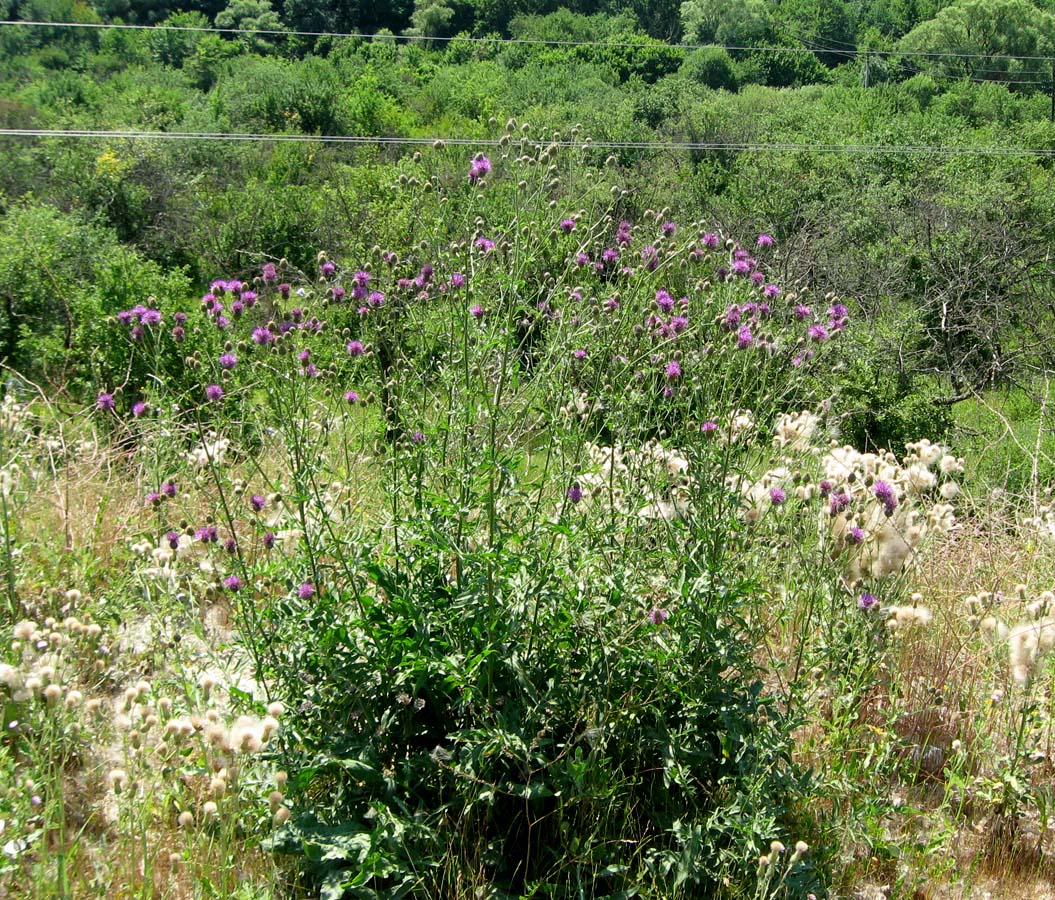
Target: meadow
[{"x": 529, "y": 513}]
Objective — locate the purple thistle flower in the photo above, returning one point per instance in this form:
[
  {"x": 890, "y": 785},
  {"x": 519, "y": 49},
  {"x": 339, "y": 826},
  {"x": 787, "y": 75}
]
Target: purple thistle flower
[
  {"x": 839, "y": 502},
  {"x": 328, "y": 269},
  {"x": 337, "y": 292},
  {"x": 169, "y": 489},
  {"x": 567, "y": 225},
  {"x": 575, "y": 493},
  {"x": 214, "y": 392},
  {"x": 270, "y": 273},
  {"x": 284, "y": 289},
  {"x": 233, "y": 583},
  {"x": 484, "y": 245},
  {"x": 150, "y": 317},
  {"x": 138, "y": 408},
  {"x": 582, "y": 259},
  {"x": 657, "y": 615},
  {"x": 178, "y": 334},
  {"x": 105, "y": 401},
  {"x": 673, "y": 370},
  {"x": 866, "y": 601},
  {"x": 231, "y": 546},
  {"x": 579, "y": 354},
  {"x": 855, "y": 535},
  {"x": 306, "y": 591},
  {"x": 153, "y": 498},
  {"x": 207, "y": 534},
  {"x": 709, "y": 427},
  {"x": 802, "y": 312},
  {"x": 777, "y": 496},
  {"x": 744, "y": 338},
  {"x": 818, "y": 333},
  {"x": 883, "y": 491},
  {"x": 351, "y": 397},
  {"x": 417, "y": 437},
  {"x": 258, "y": 502},
  {"x": 477, "y": 312},
  {"x": 610, "y": 256},
  {"x": 268, "y": 540},
  {"x": 228, "y": 361},
  {"x": 355, "y": 348},
  {"x": 710, "y": 240},
  {"x": 664, "y": 301},
  {"x": 457, "y": 280},
  {"x": 263, "y": 336},
  {"x": 668, "y": 229},
  {"x": 771, "y": 291},
  {"x": 825, "y": 487},
  {"x": 480, "y": 166},
  {"x": 764, "y": 240},
  {"x": 173, "y": 538},
  {"x": 741, "y": 267}
]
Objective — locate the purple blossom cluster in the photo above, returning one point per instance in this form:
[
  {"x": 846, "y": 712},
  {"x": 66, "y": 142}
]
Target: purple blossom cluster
[
  {"x": 138, "y": 319},
  {"x": 479, "y": 167}
]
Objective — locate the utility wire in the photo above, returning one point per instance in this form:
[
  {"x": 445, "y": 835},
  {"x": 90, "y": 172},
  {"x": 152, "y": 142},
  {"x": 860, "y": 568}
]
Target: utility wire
[
  {"x": 276, "y": 32},
  {"x": 742, "y": 146}
]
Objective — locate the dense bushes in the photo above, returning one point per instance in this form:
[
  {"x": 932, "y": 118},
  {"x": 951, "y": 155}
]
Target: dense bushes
[{"x": 62, "y": 279}]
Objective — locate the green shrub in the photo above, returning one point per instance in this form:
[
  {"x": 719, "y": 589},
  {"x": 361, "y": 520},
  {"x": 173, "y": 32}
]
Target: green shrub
[
  {"x": 62, "y": 279},
  {"x": 712, "y": 67}
]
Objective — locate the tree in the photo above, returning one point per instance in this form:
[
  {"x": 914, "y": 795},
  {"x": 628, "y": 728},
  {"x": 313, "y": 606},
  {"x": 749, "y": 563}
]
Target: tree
[
  {"x": 347, "y": 15},
  {"x": 173, "y": 48},
  {"x": 992, "y": 30},
  {"x": 252, "y": 15},
  {"x": 733, "y": 23},
  {"x": 431, "y": 18}
]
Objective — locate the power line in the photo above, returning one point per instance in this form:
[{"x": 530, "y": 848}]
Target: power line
[
  {"x": 775, "y": 147},
  {"x": 277, "y": 32}
]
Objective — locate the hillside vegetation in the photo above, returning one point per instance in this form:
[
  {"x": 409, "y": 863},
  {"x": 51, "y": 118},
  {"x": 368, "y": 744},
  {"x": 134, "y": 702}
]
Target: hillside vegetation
[{"x": 468, "y": 449}]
